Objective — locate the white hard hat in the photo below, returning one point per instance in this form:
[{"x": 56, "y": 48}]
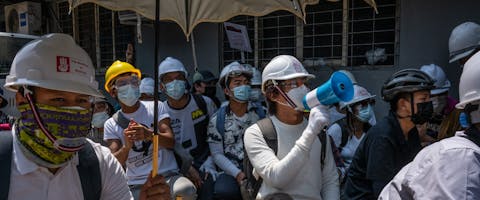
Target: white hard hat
[
  {"x": 53, "y": 62},
  {"x": 171, "y": 65},
  {"x": 469, "y": 89},
  {"x": 442, "y": 84},
  {"x": 359, "y": 94},
  {"x": 464, "y": 39},
  {"x": 283, "y": 67},
  {"x": 231, "y": 69},
  {"x": 147, "y": 85},
  {"x": 350, "y": 76}
]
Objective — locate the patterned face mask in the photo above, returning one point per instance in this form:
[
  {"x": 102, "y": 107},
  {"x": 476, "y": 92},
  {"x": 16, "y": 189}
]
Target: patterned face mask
[{"x": 53, "y": 134}]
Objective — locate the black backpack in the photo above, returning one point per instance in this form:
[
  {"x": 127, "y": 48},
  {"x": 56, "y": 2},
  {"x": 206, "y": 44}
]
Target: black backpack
[
  {"x": 88, "y": 168},
  {"x": 251, "y": 185}
]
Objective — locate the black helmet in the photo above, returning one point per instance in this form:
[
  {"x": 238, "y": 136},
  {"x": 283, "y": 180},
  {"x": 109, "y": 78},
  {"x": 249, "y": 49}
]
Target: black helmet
[{"x": 406, "y": 80}]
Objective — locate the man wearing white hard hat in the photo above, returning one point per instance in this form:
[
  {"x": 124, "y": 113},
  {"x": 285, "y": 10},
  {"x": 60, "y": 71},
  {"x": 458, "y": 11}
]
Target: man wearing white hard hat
[
  {"x": 189, "y": 114},
  {"x": 448, "y": 169},
  {"x": 296, "y": 163},
  {"x": 47, "y": 155},
  {"x": 464, "y": 41},
  {"x": 350, "y": 130},
  {"x": 147, "y": 89},
  {"x": 227, "y": 126},
  {"x": 444, "y": 122}
]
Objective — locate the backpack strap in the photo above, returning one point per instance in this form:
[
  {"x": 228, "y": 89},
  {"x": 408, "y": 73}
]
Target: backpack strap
[
  {"x": 200, "y": 103},
  {"x": 6, "y": 142},
  {"x": 345, "y": 132},
  {"x": 269, "y": 133},
  {"x": 202, "y": 151},
  {"x": 221, "y": 119},
  {"x": 89, "y": 172},
  {"x": 323, "y": 140},
  {"x": 121, "y": 120}
]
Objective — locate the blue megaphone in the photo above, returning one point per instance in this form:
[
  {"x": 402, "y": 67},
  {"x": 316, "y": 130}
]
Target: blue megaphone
[{"x": 338, "y": 88}]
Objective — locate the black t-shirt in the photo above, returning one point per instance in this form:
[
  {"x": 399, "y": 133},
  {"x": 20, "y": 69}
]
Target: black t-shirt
[{"x": 379, "y": 157}]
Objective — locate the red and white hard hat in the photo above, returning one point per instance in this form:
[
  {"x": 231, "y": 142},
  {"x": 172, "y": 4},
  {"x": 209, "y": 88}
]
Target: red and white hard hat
[{"x": 56, "y": 62}]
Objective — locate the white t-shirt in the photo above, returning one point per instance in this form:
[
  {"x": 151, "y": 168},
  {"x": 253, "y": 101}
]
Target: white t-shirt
[
  {"x": 182, "y": 121},
  {"x": 31, "y": 181},
  {"x": 348, "y": 151},
  {"x": 138, "y": 165}
]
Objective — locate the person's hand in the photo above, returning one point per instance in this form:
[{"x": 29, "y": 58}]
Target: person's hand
[
  {"x": 138, "y": 132},
  {"x": 240, "y": 177},
  {"x": 194, "y": 177},
  {"x": 155, "y": 189},
  {"x": 128, "y": 136},
  {"x": 208, "y": 167},
  {"x": 319, "y": 119}
]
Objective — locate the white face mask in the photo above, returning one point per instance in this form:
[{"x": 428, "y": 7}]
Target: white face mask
[
  {"x": 128, "y": 94},
  {"x": 98, "y": 119},
  {"x": 296, "y": 95},
  {"x": 475, "y": 116}
]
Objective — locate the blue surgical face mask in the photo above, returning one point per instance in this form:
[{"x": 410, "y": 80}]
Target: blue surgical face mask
[
  {"x": 175, "y": 89},
  {"x": 364, "y": 113},
  {"x": 128, "y": 94},
  {"x": 98, "y": 119},
  {"x": 242, "y": 93},
  {"x": 255, "y": 94}
]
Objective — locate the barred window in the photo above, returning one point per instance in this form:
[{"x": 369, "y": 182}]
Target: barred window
[
  {"x": 335, "y": 34},
  {"x": 113, "y": 36}
]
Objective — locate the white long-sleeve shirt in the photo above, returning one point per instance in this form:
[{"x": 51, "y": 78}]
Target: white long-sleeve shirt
[
  {"x": 448, "y": 169},
  {"x": 295, "y": 170}
]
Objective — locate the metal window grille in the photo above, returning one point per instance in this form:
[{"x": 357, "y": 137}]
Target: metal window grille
[
  {"x": 336, "y": 34},
  {"x": 322, "y": 39},
  {"x": 229, "y": 54},
  {"x": 277, "y": 35},
  {"x": 371, "y": 32},
  {"x": 113, "y": 36},
  {"x": 86, "y": 30},
  {"x": 64, "y": 19}
]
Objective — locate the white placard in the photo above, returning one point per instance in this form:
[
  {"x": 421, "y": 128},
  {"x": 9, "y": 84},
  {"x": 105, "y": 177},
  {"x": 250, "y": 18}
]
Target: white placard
[{"x": 237, "y": 36}]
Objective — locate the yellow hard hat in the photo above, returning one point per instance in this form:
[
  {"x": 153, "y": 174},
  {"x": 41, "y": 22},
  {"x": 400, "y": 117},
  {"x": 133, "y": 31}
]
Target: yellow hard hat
[{"x": 117, "y": 68}]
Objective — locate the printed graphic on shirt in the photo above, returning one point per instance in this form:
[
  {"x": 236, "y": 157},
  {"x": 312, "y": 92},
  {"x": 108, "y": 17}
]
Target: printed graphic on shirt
[{"x": 233, "y": 137}]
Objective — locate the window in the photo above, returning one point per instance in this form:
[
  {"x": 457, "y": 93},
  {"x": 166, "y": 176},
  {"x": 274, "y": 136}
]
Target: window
[
  {"x": 113, "y": 36},
  {"x": 363, "y": 38}
]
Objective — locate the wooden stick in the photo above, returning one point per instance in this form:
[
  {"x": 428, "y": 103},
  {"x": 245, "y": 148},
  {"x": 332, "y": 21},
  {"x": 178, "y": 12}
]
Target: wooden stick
[{"x": 155, "y": 156}]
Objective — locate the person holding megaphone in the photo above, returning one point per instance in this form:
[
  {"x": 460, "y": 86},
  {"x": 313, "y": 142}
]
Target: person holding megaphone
[{"x": 295, "y": 162}]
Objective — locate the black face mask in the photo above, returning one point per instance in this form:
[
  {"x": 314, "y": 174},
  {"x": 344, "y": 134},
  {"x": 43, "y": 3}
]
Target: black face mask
[
  {"x": 210, "y": 91},
  {"x": 424, "y": 112}
]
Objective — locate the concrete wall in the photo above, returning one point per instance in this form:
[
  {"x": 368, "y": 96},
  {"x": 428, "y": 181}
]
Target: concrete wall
[
  {"x": 425, "y": 27},
  {"x": 174, "y": 43}
]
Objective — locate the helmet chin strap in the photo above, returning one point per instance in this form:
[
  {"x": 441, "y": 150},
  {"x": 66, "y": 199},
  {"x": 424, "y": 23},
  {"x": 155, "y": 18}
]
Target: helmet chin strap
[
  {"x": 47, "y": 133},
  {"x": 285, "y": 96}
]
